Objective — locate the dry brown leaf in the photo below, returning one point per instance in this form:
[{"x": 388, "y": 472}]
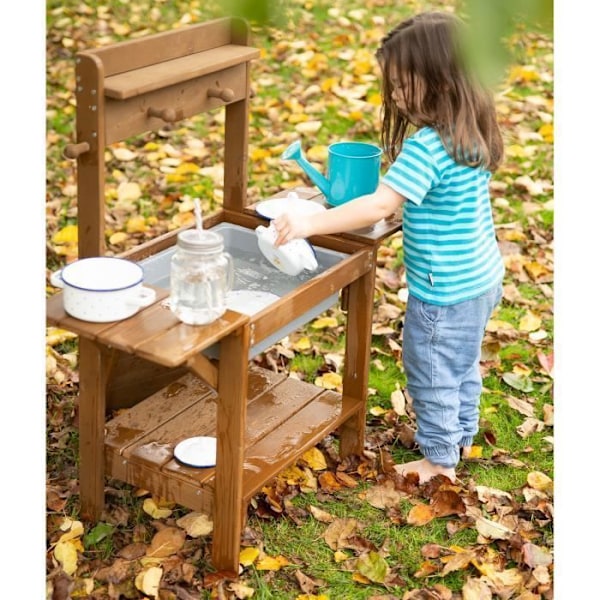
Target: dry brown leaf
[
  {"x": 346, "y": 479},
  {"x": 133, "y": 551},
  {"x": 540, "y": 481},
  {"x": 398, "y": 401},
  {"x": 320, "y": 514},
  {"x": 456, "y": 562},
  {"x": 521, "y": 405},
  {"x": 447, "y": 502},
  {"x": 328, "y": 482},
  {"x": 166, "y": 542},
  {"x": 383, "y": 496},
  {"x": 337, "y": 534},
  {"x": 476, "y": 589},
  {"x": 420, "y": 514},
  {"x": 534, "y": 556},
  {"x": 148, "y": 581},
  {"x": 492, "y": 530},
  {"x": 196, "y": 524}
]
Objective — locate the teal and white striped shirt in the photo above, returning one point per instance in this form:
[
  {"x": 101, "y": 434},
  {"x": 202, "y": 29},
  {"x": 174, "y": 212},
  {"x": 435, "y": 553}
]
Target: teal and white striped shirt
[{"x": 450, "y": 248}]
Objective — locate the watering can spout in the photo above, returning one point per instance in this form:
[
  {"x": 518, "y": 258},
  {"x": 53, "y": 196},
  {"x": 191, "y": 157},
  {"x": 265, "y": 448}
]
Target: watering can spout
[{"x": 294, "y": 152}]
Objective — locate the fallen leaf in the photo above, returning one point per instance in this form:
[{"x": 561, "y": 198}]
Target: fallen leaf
[
  {"x": 337, "y": 534},
  {"x": 398, "y": 401},
  {"x": 534, "y": 556},
  {"x": 128, "y": 191},
  {"x": 124, "y": 154},
  {"x": 519, "y": 382},
  {"x": 196, "y": 524},
  {"x": 420, "y": 514},
  {"x": 329, "y": 381},
  {"x": 520, "y": 405},
  {"x": 241, "y": 590},
  {"x": 472, "y": 452},
  {"x": 529, "y": 426},
  {"x": 156, "y": 511},
  {"x": 383, "y": 496},
  {"x": 166, "y": 542},
  {"x": 447, "y": 502},
  {"x": 456, "y": 562},
  {"x": 321, "y": 515},
  {"x": 324, "y": 322},
  {"x": 271, "y": 563},
  {"x": 66, "y": 554},
  {"x": 529, "y": 322},
  {"x": 328, "y": 482},
  {"x": 476, "y": 589},
  {"x": 373, "y": 566},
  {"x": 492, "y": 530},
  {"x": 540, "y": 481},
  {"x": 148, "y": 581},
  {"x": 315, "y": 459},
  {"x": 248, "y": 556}
]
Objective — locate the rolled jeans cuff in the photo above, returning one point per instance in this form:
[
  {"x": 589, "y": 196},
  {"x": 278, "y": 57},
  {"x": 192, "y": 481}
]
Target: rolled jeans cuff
[
  {"x": 467, "y": 440},
  {"x": 444, "y": 456}
]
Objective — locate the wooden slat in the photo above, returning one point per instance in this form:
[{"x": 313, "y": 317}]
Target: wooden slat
[
  {"x": 144, "y": 418},
  {"x": 166, "y": 73},
  {"x": 94, "y": 366},
  {"x": 166, "y": 45},
  {"x": 175, "y": 346},
  {"x": 265, "y": 413},
  {"x": 183, "y": 409},
  {"x": 56, "y": 315},
  {"x": 356, "y": 358},
  {"x": 229, "y": 508},
  {"x": 310, "y": 293}
]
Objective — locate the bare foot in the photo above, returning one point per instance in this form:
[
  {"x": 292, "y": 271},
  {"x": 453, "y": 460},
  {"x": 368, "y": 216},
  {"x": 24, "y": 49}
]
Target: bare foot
[
  {"x": 466, "y": 452},
  {"x": 425, "y": 469}
]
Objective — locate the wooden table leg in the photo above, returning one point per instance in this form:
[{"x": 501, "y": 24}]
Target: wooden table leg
[
  {"x": 229, "y": 506},
  {"x": 359, "y": 295},
  {"x": 93, "y": 374}
]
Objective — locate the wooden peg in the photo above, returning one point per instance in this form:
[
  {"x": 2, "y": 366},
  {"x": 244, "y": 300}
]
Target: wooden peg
[
  {"x": 226, "y": 94},
  {"x": 74, "y": 150},
  {"x": 166, "y": 114}
]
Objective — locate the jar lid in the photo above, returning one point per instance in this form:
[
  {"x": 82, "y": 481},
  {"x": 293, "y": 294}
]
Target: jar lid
[{"x": 200, "y": 240}]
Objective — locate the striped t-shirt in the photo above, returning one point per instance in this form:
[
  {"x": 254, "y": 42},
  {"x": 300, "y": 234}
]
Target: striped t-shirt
[{"x": 450, "y": 248}]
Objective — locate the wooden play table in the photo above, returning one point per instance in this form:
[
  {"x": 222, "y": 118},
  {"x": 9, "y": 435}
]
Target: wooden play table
[{"x": 154, "y": 365}]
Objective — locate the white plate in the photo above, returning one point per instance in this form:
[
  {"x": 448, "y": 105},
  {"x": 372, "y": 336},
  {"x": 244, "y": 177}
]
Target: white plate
[
  {"x": 249, "y": 302},
  {"x": 200, "y": 451},
  {"x": 272, "y": 208}
]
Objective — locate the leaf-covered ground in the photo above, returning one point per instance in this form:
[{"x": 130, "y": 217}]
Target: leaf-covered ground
[{"x": 325, "y": 528}]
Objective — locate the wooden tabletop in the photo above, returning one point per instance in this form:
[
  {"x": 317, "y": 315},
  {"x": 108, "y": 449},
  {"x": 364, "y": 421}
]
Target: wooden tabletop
[{"x": 154, "y": 333}]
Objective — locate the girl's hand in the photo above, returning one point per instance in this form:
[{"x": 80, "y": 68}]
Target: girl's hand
[{"x": 290, "y": 226}]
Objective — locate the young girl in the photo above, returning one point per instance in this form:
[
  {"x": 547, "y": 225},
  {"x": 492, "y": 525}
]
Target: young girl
[{"x": 440, "y": 132}]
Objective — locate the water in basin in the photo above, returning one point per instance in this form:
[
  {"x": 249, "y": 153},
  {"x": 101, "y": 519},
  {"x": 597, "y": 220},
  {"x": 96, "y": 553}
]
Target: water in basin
[
  {"x": 252, "y": 271},
  {"x": 255, "y": 274}
]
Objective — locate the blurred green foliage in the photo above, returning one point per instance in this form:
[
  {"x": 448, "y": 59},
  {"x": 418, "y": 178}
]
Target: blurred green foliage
[{"x": 491, "y": 25}]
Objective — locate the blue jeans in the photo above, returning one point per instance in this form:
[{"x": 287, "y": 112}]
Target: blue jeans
[{"x": 441, "y": 351}]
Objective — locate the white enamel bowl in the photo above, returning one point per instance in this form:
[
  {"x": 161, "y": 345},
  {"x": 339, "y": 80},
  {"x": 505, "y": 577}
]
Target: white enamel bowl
[{"x": 102, "y": 289}]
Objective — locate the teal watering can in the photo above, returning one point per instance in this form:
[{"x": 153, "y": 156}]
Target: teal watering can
[{"x": 353, "y": 169}]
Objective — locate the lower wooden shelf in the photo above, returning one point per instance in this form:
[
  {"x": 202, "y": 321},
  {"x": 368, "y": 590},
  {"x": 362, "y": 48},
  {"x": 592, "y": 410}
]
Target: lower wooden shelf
[{"x": 285, "y": 417}]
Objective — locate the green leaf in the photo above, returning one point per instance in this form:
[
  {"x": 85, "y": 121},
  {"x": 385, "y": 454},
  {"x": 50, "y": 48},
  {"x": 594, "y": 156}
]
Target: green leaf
[
  {"x": 372, "y": 566},
  {"x": 519, "y": 382},
  {"x": 97, "y": 534}
]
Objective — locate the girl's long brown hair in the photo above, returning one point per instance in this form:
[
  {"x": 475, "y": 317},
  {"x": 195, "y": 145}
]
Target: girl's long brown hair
[{"x": 425, "y": 51}]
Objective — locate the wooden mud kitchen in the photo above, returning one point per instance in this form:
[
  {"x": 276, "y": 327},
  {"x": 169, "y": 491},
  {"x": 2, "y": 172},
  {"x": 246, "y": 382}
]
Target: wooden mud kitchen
[{"x": 179, "y": 380}]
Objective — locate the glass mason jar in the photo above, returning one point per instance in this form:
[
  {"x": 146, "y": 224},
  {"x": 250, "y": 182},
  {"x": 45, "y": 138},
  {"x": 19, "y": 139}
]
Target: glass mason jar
[{"x": 201, "y": 276}]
